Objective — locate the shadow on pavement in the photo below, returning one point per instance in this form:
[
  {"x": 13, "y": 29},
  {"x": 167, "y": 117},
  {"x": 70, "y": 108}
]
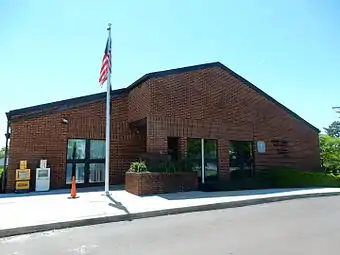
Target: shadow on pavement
[
  {"x": 118, "y": 205},
  {"x": 201, "y": 194}
]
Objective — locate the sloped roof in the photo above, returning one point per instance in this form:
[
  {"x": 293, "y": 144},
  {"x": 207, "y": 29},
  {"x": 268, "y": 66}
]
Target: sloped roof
[{"x": 75, "y": 102}]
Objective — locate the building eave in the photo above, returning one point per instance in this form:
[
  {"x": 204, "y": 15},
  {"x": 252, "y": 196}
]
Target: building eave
[
  {"x": 75, "y": 102},
  {"x": 57, "y": 106}
]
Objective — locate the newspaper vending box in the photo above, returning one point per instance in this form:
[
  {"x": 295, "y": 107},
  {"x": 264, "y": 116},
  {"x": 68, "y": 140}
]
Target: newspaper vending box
[{"x": 42, "y": 180}]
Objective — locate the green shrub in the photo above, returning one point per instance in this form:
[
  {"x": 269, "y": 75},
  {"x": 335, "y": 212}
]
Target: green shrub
[
  {"x": 330, "y": 153},
  {"x": 138, "y": 167},
  {"x": 185, "y": 165},
  {"x": 288, "y": 178},
  {"x": 1, "y": 170},
  {"x": 279, "y": 178},
  {"x": 168, "y": 167},
  {"x": 182, "y": 165}
]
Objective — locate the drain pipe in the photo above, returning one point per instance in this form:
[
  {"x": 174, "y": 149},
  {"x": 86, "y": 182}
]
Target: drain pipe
[{"x": 4, "y": 173}]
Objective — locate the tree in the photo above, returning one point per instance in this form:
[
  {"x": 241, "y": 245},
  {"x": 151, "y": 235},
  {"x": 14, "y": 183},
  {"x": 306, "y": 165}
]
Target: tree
[
  {"x": 333, "y": 129},
  {"x": 2, "y": 152},
  {"x": 330, "y": 153}
]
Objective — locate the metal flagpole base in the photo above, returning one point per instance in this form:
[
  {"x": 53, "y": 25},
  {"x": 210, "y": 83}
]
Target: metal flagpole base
[{"x": 106, "y": 193}]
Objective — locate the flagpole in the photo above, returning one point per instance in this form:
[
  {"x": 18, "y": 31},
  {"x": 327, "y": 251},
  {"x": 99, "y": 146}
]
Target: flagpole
[{"x": 108, "y": 121}]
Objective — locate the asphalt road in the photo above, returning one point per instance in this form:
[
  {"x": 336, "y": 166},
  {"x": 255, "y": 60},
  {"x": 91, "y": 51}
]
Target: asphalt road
[{"x": 303, "y": 226}]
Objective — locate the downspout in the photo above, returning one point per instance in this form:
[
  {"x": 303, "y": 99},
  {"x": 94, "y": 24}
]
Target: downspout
[
  {"x": 253, "y": 152},
  {"x": 4, "y": 173}
]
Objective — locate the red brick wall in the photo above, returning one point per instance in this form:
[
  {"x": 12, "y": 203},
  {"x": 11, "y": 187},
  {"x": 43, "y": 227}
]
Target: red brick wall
[
  {"x": 139, "y": 102},
  {"x": 158, "y": 183},
  {"x": 207, "y": 103},
  {"x": 210, "y": 103},
  {"x": 46, "y": 136}
]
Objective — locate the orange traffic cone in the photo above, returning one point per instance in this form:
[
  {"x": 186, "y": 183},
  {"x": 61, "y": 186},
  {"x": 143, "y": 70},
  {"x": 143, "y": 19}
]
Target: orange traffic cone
[{"x": 73, "y": 188}]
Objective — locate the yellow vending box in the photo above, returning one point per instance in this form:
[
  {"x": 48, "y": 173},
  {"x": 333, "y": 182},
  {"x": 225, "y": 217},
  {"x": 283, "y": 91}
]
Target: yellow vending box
[
  {"x": 23, "y": 164},
  {"x": 22, "y": 177}
]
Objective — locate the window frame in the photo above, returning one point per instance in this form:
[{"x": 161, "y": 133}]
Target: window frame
[
  {"x": 212, "y": 160},
  {"x": 87, "y": 161},
  {"x": 93, "y": 159},
  {"x": 238, "y": 166},
  {"x": 198, "y": 161}
]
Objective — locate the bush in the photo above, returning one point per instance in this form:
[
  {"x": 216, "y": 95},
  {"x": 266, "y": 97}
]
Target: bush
[
  {"x": 330, "y": 153},
  {"x": 288, "y": 178},
  {"x": 138, "y": 167},
  {"x": 185, "y": 165},
  {"x": 1, "y": 170},
  {"x": 182, "y": 165},
  {"x": 168, "y": 167},
  {"x": 278, "y": 178}
]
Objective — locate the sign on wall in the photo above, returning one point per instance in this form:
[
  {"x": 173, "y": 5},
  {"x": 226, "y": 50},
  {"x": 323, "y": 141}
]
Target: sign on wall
[{"x": 261, "y": 146}]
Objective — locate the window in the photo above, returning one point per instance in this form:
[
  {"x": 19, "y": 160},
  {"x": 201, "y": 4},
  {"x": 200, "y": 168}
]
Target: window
[
  {"x": 85, "y": 160},
  {"x": 240, "y": 159},
  {"x": 97, "y": 172},
  {"x": 210, "y": 156},
  {"x": 76, "y": 149},
  {"x": 194, "y": 148},
  {"x": 97, "y": 149},
  {"x": 80, "y": 172},
  {"x": 195, "y": 154}
]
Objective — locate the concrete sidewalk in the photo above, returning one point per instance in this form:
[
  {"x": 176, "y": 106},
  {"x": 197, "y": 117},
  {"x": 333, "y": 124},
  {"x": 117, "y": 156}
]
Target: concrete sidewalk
[{"x": 33, "y": 212}]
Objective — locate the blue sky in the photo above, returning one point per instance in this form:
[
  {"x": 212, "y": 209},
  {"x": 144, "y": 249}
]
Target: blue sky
[{"x": 52, "y": 50}]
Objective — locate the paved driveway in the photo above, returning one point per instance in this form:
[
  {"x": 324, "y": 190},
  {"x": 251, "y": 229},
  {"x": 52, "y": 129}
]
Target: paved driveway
[{"x": 304, "y": 226}]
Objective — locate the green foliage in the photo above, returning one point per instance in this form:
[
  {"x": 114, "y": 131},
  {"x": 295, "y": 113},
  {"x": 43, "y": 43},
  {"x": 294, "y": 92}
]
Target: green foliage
[
  {"x": 182, "y": 165},
  {"x": 288, "y": 178},
  {"x": 330, "y": 153},
  {"x": 138, "y": 167},
  {"x": 280, "y": 178},
  {"x": 2, "y": 152},
  {"x": 167, "y": 167},
  {"x": 334, "y": 129},
  {"x": 185, "y": 164},
  {"x": 1, "y": 170},
  {"x": 195, "y": 149}
]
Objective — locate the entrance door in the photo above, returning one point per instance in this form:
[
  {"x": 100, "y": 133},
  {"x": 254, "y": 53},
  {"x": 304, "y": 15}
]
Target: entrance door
[
  {"x": 85, "y": 161},
  {"x": 241, "y": 161},
  {"x": 210, "y": 154}
]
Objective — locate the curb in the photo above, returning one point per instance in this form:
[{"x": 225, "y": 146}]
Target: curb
[{"x": 141, "y": 215}]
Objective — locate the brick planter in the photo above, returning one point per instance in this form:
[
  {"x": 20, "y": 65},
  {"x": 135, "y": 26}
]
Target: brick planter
[{"x": 157, "y": 183}]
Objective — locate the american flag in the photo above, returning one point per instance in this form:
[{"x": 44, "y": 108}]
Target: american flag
[{"x": 106, "y": 63}]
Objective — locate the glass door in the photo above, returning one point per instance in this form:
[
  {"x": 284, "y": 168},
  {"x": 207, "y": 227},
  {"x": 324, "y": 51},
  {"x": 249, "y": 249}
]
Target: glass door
[
  {"x": 85, "y": 161},
  {"x": 75, "y": 166},
  {"x": 240, "y": 159},
  {"x": 210, "y": 157}
]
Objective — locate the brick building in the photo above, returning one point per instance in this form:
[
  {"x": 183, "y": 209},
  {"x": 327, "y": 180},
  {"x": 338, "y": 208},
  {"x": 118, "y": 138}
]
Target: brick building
[{"x": 164, "y": 112}]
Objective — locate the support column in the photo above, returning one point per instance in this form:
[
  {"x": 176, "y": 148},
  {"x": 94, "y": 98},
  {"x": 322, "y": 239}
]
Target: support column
[
  {"x": 223, "y": 153},
  {"x": 202, "y": 155}
]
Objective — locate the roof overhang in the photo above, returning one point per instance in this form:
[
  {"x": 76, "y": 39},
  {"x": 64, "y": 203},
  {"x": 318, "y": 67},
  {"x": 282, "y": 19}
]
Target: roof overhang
[{"x": 75, "y": 102}]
